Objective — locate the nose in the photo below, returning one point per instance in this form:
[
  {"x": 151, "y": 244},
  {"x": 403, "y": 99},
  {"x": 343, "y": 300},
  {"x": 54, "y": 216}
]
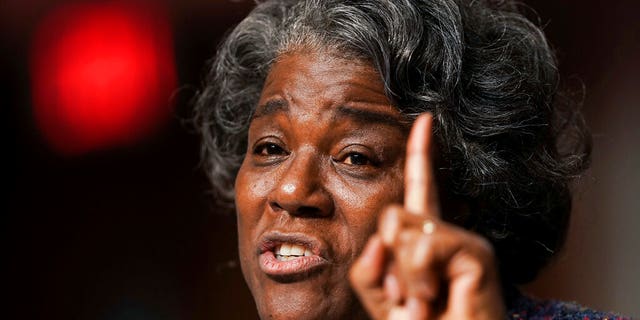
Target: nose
[{"x": 301, "y": 190}]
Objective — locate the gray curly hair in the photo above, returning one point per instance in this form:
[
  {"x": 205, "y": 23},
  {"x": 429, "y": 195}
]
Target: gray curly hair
[{"x": 509, "y": 143}]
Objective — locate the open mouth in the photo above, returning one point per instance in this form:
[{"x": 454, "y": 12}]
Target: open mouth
[
  {"x": 289, "y": 251},
  {"x": 290, "y": 255}
]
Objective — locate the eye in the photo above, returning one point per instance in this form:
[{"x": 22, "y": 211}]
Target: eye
[
  {"x": 357, "y": 156},
  {"x": 268, "y": 149},
  {"x": 357, "y": 159}
]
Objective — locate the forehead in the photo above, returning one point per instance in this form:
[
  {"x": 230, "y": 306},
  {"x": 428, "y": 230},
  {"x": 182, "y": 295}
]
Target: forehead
[
  {"x": 320, "y": 84},
  {"x": 324, "y": 68}
]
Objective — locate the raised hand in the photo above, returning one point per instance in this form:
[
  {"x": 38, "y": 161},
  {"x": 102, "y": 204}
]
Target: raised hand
[{"x": 417, "y": 266}]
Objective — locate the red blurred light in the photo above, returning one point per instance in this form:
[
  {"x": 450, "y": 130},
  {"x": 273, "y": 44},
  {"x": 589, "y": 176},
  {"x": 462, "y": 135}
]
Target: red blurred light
[{"x": 102, "y": 75}]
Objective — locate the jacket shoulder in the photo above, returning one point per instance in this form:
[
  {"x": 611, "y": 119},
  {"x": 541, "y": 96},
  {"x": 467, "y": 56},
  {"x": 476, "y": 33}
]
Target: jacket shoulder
[{"x": 525, "y": 307}]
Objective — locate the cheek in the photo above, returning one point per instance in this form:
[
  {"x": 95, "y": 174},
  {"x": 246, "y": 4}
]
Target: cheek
[
  {"x": 251, "y": 191},
  {"x": 250, "y": 198},
  {"x": 361, "y": 204}
]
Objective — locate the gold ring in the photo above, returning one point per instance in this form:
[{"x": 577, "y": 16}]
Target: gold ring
[{"x": 428, "y": 227}]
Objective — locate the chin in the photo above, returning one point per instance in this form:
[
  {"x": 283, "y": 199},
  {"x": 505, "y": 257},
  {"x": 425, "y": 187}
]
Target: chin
[{"x": 305, "y": 300}]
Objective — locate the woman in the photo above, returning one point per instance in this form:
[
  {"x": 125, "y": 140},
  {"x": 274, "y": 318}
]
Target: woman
[{"x": 392, "y": 159}]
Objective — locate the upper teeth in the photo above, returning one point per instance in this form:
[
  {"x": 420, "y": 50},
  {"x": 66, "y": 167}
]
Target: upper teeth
[{"x": 288, "y": 249}]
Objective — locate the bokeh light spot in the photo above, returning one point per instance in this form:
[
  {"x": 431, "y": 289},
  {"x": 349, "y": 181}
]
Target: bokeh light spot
[{"x": 102, "y": 75}]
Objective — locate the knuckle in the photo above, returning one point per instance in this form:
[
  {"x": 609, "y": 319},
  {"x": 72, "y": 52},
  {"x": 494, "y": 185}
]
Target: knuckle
[
  {"x": 478, "y": 260},
  {"x": 416, "y": 269},
  {"x": 484, "y": 249},
  {"x": 469, "y": 267},
  {"x": 422, "y": 255},
  {"x": 386, "y": 214}
]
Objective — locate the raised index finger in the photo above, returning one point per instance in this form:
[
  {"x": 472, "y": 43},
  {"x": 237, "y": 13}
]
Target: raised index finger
[{"x": 420, "y": 193}]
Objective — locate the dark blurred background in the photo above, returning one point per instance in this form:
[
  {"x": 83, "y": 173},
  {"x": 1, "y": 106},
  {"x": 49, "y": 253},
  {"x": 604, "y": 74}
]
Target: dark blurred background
[{"x": 125, "y": 228}]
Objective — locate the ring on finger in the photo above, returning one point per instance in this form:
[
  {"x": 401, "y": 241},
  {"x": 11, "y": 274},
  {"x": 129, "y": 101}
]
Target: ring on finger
[{"x": 428, "y": 226}]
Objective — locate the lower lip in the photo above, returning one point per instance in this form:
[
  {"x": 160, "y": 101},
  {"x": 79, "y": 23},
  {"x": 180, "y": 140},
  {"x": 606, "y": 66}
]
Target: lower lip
[{"x": 305, "y": 264}]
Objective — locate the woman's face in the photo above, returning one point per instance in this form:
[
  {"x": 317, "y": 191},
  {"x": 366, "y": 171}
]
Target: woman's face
[{"x": 325, "y": 154}]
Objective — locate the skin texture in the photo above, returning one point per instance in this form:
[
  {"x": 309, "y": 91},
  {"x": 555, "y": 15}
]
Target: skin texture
[
  {"x": 325, "y": 155},
  {"x": 325, "y": 158}
]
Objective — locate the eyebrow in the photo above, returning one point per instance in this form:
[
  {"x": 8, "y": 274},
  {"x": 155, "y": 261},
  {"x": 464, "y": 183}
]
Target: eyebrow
[
  {"x": 369, "y": 117},
  {"x": 270, "y": 107}
]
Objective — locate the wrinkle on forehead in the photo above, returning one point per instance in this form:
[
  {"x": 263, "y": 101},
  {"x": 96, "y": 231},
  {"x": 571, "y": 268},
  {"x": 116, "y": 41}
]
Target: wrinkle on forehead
[{"x": 321, "y": 82}]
